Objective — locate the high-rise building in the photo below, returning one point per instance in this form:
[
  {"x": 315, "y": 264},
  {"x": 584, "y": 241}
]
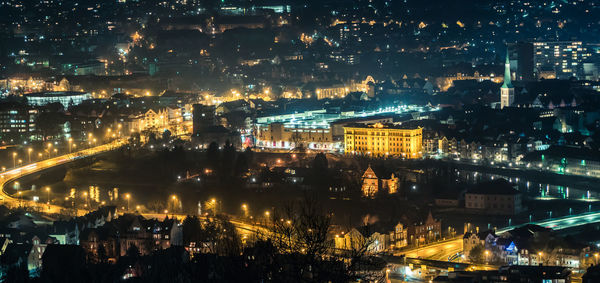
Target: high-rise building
[
  {"x": 507, "y": 91},
  {"x": 521, "y": 54},
  {"x": 17, "y": 121},
  {"x": 383, "y": 140},
  {"x": 559, "y": 59}
]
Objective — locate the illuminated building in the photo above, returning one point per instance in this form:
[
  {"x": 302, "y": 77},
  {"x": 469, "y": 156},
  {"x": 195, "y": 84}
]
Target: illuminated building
[
  {"x": 372, "y": 182},
  {"x": 311, "y": 129},
  {"x": 332, "y": 91},
  {"x": 66, "y": 98},
  {"x": 559, "y": 59},
  {"x": 425, "y": 230},
  {"x": 445, "y": 83},
  {"x": 279, "y": 135},
  {"x": 165, "y": 119},
  {"x": 321, "y": 129},
  {"x": 17, "y": 120},
  {"x": 383, "y": 140},
  {"x": 340, "y": 90},
  {"x": 507, "y": 91}
]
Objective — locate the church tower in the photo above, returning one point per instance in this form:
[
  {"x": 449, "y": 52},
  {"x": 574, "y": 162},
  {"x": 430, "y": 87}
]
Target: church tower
[{"x": 507, "y": 91}]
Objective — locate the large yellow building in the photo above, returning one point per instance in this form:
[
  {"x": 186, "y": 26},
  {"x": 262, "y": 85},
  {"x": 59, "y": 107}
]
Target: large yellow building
[{"x": 383, "y": 140}]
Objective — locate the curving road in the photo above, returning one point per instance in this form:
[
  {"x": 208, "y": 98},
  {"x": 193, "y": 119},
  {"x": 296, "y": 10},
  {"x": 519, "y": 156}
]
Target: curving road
[
  {"x": 19, "y": 172},
  {"x": 442, "y": 250}
]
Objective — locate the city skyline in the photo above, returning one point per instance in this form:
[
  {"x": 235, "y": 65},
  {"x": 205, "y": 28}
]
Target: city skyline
[{"x": 299, "y": 141}]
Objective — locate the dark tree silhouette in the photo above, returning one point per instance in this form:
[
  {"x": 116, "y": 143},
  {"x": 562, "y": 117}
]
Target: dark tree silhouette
[
  {"x": 166, "y": 136},
  {"x": 48, "y": 124},
  {"x": 213, "y": 155},
  {"x": 241, "y": 165}
]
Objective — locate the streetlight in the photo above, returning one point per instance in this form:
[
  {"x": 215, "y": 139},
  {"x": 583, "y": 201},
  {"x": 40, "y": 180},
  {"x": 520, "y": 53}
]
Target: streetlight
[
  {"x": 213, "y": 201},
  {"x": 48, "y": 191},
  {"x": 541, "y": 254},
  {"x": 14, "y": 159},
  {"x": 70, "y": 144},
  {"x": 174, "y": 199},
  {"x": 245, "y": 209},
  {"x": 29, "y": 150},
  {"x": 128, "y": 196},
  {"x": 487, "y": 253},
  {"x": 85, "y": 194}
]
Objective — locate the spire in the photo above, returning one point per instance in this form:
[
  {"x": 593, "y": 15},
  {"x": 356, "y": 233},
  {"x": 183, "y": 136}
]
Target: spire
[{"x": 507, "y": 82}]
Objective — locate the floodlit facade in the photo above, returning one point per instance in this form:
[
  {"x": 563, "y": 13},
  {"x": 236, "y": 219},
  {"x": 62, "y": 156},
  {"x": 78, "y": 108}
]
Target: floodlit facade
[
  {"x": 383, "y": 140},
  {"x": 371, "y": 183},
  {"x": 280, "y": 135},
  {"x": 165, "y": 119}
]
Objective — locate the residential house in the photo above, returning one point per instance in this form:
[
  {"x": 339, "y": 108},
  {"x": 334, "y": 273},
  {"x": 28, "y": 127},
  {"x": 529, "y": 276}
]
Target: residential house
[
  {"x": 372, "y": 183},
  {"x": 425, "y": 230}
]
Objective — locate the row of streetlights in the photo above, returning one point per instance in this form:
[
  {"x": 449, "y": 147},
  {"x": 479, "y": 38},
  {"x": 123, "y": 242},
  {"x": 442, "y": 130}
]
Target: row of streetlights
[{"x": 47, "y": 149}]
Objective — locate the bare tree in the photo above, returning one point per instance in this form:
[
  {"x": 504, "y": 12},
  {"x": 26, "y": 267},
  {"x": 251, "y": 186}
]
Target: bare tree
[{"x": 303, "y": 229}]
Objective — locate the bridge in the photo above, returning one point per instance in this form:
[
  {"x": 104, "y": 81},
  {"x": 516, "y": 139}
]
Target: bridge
[{"x": 20, "y": 172}]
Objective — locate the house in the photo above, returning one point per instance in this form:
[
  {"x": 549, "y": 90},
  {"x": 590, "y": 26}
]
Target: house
[
  {"x": 98, "y": 217},
  {"x": 363, "y": 238},
  {"x": 399, "y": 236},
  {"x": 425, "y": 230},
  {"x": 372, "y": 183},
  {"x": 21, "y": 255},
  {"x": 528, "y": 245},
  {"x": 98, "y": 243},
  {"x": 159, "y": 120},
  {"x": 116, "y": 237},
  {"x": 27, "y": 254},
  {"x": 496, "y": 197},
  {"x": 472, "y": 240},
  {"x": 65, "y": 232}
]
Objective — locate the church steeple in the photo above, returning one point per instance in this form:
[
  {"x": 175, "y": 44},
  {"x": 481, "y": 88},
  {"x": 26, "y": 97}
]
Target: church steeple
[
  {"x": 507, "y": 80},
  {"x": 507, "y": 91}
]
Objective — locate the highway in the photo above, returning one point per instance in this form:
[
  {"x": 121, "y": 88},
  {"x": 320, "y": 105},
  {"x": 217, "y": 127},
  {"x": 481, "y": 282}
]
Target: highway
[{"x": 6, "y": 177}]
